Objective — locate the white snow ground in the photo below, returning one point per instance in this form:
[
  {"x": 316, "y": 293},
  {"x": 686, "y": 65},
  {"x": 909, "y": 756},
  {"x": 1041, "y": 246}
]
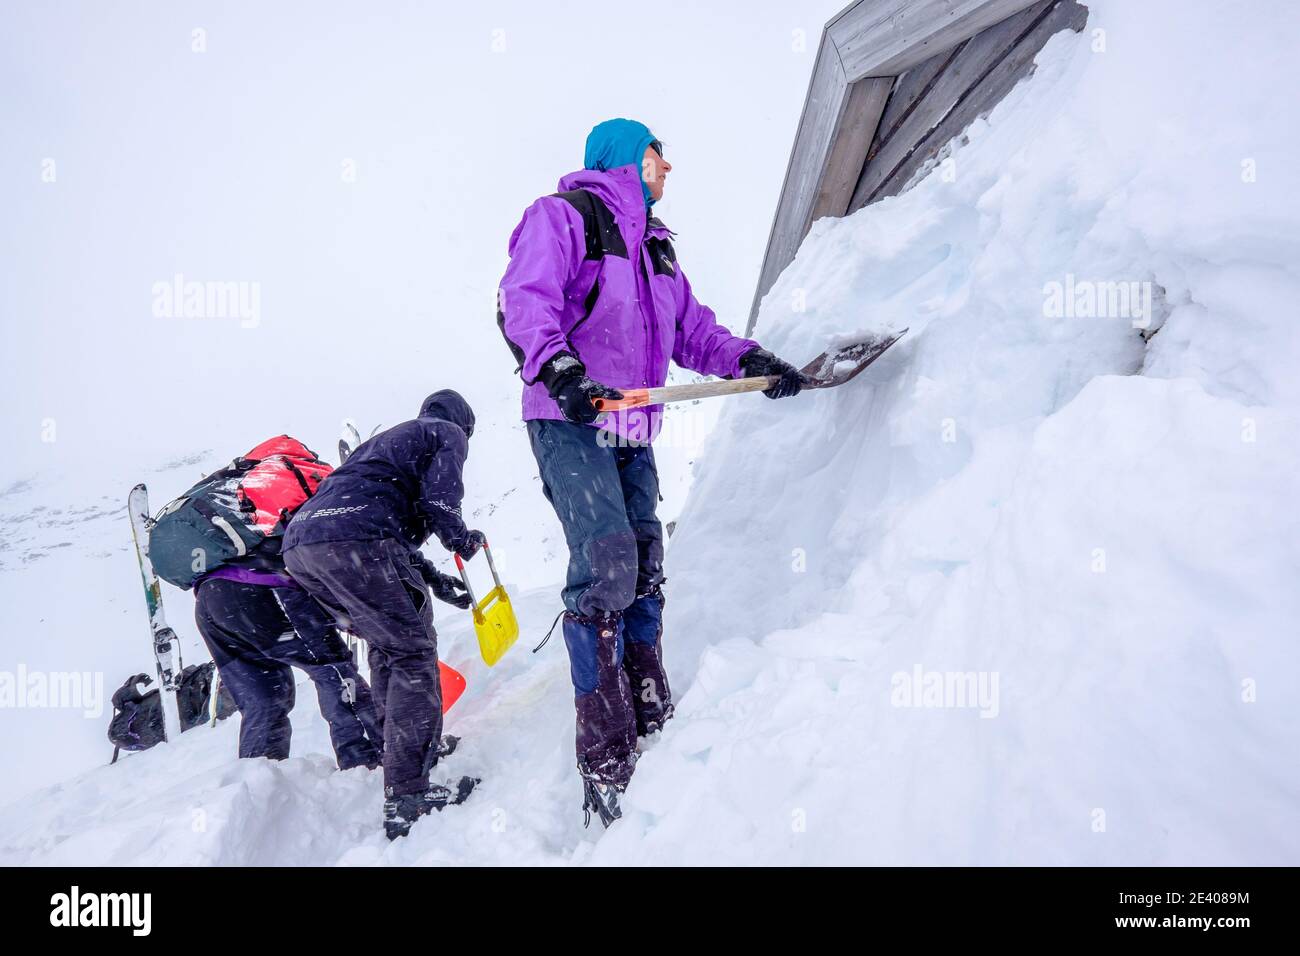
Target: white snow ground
[{"x": 1099, "y": 529}]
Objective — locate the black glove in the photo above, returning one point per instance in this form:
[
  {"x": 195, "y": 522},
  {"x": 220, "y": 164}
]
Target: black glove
[
  {"x": 473, "y": 541},
  {"x": 445, "y": 588},
  {"x": 759, "y": 362},
  {"x": 565, "y": 378},
  {"x": 450, "y": 590}
]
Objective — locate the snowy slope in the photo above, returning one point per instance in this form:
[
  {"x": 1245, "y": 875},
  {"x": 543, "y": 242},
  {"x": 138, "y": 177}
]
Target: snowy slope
[
  {"x": 1093, "y": 520},
  {"x": 1104, "y": 526},
  {"x": 192, "y": 803}
]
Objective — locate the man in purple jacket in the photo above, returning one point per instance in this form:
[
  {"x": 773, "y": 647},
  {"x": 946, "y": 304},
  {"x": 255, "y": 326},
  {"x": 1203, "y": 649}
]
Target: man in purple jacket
[{"x": 593, "y": 301}]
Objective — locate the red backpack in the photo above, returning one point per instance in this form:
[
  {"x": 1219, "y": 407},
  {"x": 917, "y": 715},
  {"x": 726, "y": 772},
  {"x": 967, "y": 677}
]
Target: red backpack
[
  {"x": 285, "y": 474},
  {"x": 232, "y": 511}
]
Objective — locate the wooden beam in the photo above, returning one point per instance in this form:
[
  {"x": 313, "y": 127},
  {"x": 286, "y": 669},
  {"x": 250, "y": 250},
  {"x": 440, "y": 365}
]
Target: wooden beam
[
  {"x": 886, "y": 37},
  {"x": 941, "y": 96},
  {"x": 853, "y": 135},
  {"x": 909, "y": 88},
  {"x": 979, "y": 99},
  {"x": 827, "y": 93},
  {"x": 881, "y": 39}
]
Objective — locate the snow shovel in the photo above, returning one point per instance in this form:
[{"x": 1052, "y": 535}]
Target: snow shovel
[
  {"x": 494, "y": 618},
  {"x": 452, "y": 683},
  {"x": 450, "y": 680},
  {"x": 833, "y": 367}
]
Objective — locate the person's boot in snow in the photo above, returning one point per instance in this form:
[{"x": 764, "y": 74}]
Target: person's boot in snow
[
  {"x": 606, "y": 720},
  {"x": 402, "y": 810},
  {"x": 643, "y": 630},
  {"x": 599, "y": 797}
]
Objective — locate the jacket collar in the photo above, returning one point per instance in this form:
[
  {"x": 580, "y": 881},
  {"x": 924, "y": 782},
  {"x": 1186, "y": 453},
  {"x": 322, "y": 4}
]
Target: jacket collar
[{"x": 618, "y": 188}]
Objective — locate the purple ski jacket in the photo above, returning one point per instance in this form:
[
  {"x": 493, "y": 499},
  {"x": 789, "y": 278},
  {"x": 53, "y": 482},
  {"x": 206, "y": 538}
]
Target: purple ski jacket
[{"x": 600, "y": 280}]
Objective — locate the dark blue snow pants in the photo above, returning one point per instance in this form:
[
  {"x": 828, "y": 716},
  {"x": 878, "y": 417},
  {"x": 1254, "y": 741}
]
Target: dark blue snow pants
[
  {"x": 605, "y": 495},
  {"x": 257, "y": 635},
  {"x": 374, "y": 589}
]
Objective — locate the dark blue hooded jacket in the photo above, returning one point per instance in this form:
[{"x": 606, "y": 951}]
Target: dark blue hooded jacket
[{"x": 405, "y": 484}]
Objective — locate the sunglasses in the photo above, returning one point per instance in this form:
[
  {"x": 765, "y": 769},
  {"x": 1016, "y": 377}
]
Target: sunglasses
[{"x": 658, "y": 147}]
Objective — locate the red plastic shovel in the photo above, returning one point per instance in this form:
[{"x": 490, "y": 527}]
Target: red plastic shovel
[{"x": 453, "y": 685}]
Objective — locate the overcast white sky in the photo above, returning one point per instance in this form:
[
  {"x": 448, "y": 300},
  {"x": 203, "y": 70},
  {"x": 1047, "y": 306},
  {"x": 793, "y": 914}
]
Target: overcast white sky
[{"x": 226, "y": 165}]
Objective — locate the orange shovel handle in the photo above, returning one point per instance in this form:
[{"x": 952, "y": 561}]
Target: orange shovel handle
[{"x": 632, "y": 398}]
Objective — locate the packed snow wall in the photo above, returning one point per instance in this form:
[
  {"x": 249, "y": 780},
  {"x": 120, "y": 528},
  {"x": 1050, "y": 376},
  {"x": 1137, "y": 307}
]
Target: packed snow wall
[{"x": 1024, "y": 592}]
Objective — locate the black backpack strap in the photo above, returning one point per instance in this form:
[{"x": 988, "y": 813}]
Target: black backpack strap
[
  {"x": 599, "y": 227},
  {"x": 285, "y": 513},
  {"x": 302, "y": 479},
  {"x": 601, "y": 237}
]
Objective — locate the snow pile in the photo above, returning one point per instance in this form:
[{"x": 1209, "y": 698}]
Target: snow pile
[
  {"x": 192, "y": 803},
  {"x": 1025, "y": 591},
  {"x": 1022, "y": 592}
]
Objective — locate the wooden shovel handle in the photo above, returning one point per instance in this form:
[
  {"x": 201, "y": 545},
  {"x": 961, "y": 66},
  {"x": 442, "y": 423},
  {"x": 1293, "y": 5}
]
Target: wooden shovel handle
[{"x": 641, "y": 397}]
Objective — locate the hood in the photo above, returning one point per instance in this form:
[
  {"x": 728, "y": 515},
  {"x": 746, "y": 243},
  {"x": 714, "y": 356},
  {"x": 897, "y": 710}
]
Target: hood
[
  {"x": 281, "y": 445},
  {"x": 449, "y": 406},
  {"x": 619, "y": 189},
  {"x": 616, "y": 143}
]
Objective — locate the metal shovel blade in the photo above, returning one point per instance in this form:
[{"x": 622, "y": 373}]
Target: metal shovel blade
[
  {"x": 833, "y": 367},
  {"x": 846, "y": 362}
]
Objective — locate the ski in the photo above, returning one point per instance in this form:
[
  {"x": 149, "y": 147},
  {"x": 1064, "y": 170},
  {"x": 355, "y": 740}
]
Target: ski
[
  {"x": 349, "y": 439},
  {"x": 214, "y": 698},
  {"x": 166, "y": 645}
]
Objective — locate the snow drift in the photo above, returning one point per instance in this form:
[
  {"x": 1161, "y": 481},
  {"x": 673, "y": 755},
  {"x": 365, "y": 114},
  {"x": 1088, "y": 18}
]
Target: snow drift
[
  {"x": 1022, "y": 593},
  {"x": 1087, "y": 518}
]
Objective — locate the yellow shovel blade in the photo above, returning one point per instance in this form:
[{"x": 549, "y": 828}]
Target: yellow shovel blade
[{"x": 495, "y": 624}]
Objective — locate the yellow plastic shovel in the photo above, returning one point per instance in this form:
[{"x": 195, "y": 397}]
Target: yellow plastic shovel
[{"x": 494, "y": 618}]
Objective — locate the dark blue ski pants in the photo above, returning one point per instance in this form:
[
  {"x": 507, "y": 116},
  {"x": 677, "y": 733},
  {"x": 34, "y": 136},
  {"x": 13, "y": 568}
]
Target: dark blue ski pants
[
  {"x": 257, "y": 634},
  {"x": 605, "y": 495},
  {"x": 373, "y": 587}
]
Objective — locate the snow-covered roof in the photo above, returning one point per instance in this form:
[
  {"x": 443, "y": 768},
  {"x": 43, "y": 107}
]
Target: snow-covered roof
[{"x": 895, "y": 81}]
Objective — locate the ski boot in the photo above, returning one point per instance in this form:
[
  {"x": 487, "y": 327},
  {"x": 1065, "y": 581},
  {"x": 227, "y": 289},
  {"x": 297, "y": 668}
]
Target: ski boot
[
  {"x": 446, "y": 747},
  {"x": 401, "y": 812},
  {"x": 599, "y": 797}
]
